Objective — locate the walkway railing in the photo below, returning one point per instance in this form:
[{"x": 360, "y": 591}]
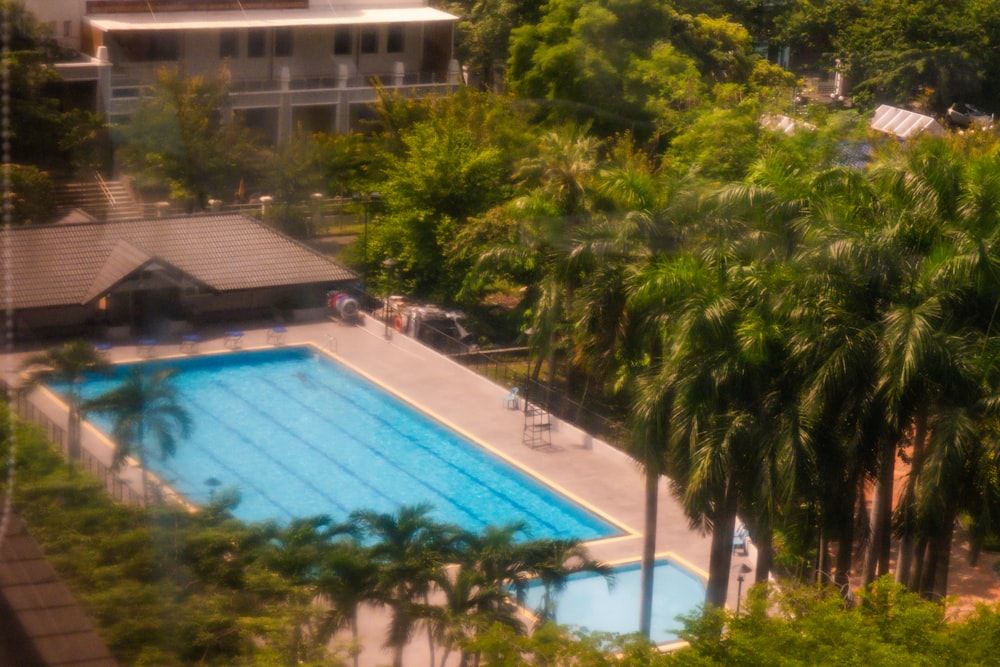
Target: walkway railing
[
  {"x": 105, "y": 190},
  {"x": 506, "y": 367}
]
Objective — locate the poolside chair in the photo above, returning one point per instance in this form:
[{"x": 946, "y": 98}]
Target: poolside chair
[
  {"x": 511, "y": 400},
  {"x": 276, "y": 335},
  {"x": 189, "y": 342},
  {"x": 233, "y": 339},
  {"x": 145, "y": 347},
  {"x": 740, "y": 537}
]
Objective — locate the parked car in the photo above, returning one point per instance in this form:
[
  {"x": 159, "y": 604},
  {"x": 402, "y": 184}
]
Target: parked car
[
  {"x": 966, "y": 115},
  {"x": 442, "y": 329}
]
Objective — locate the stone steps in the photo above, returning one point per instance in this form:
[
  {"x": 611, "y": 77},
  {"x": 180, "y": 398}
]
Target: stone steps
[{"x": 107, "y": 205}]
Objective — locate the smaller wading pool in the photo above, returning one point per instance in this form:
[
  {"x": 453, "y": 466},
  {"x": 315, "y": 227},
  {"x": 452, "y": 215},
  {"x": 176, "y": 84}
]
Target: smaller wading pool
[{"x": 587, "y": 603}]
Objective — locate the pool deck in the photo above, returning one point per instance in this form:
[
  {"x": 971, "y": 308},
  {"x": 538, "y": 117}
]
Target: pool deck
[{"x": 586, "y": 469}]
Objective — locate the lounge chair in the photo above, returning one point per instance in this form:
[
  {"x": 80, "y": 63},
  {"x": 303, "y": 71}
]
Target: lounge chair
[
  {"x": 189, "y": 342},
  {"x": 276, "y": 335},
  {"x": 145, "y": 347},
  {"x": 740, "y": 537},
  {"x": 233, "y": 339},
  {"x": 511, "y": 400}
]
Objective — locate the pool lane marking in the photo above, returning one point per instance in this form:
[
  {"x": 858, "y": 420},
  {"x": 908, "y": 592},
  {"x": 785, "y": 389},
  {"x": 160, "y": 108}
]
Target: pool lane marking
[
  {"x": 231, "y": 391},
  {"x": 403, "y": 436},
  {"x": 350, "y": 473},
  {"x": 627, "y": 529},
  {"x": 105, "y": 439},
  {"x": 493, "y": 450},
  {"x": 236, "y": 474},
  {"x": 134, "y": 462},
  {"x": 323, "y": 454},
  {"x": 270, "y": 457},
  {"x": 480, "y": 484},
  {"x": 330, "y": 423}
]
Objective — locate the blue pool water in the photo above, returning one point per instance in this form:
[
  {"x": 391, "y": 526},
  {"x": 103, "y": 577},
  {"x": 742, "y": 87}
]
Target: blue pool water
[
  {"x": 586, "y": 602},
  {"x": 300, "y": 435}
]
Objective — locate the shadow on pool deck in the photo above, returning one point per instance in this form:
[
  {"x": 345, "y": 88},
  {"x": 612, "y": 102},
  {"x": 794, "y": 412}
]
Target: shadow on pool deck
[{"x": 585, "y": 469}]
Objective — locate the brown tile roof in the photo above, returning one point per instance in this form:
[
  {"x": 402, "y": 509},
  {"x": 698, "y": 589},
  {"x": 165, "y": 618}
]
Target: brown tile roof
[
  {"x": 54, "y": 265},
  {"x": 39, "y": 612}
]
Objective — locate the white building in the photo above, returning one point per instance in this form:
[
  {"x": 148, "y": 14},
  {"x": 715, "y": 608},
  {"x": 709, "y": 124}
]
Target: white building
[{"x": 290, "y": 63}]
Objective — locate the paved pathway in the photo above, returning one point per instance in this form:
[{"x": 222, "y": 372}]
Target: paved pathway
[{"x": 589, "y": 471}]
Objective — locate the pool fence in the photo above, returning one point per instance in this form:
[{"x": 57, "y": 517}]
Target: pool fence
[
  {"x": 120, "y": 489},
  {"x": 506, "y": 367}
]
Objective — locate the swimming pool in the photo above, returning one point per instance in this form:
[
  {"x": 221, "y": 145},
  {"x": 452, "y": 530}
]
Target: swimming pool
[
  {"x": 586, "y": 601},
  {"x": 299, "y": 434}
]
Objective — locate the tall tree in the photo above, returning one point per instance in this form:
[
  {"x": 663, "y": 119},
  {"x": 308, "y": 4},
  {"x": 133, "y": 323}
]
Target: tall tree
[
  {"x": 411, "y": 551},
  {"x": 181, "y": 139},
  {"x": 448, "y": 173},
  {"x": 552, "y": 562},
  {"x": 552, "y": 215},
  {"x": 481, "y": 589},
  {"x": 146, "y": 412},
  {"x": 348, "y": 577}
]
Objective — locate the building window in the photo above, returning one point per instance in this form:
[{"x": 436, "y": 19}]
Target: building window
[
  {"x": 256, "y": 43},
  {"x": 369, "y": 40},
  {"x": 67, "y": 28},
  {"x": 283, "y": 42},
  {"x": 342, "y": 41},
  {"x": 394, "y": 41},
  {"x": 141, "y": 46},
  {"x": 229, "y": 44},
  {"x": 166, "y": 47}
]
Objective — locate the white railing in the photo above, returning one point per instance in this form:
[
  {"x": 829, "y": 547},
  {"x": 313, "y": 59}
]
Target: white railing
[{"x": 318, "y": 90}]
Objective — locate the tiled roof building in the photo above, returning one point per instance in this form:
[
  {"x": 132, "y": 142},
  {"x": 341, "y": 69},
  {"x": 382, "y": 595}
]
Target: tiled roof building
[{"x": 142, "y": 273}]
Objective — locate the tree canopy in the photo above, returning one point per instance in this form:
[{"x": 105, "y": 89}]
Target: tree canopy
[{"x": 180, "y": 137}]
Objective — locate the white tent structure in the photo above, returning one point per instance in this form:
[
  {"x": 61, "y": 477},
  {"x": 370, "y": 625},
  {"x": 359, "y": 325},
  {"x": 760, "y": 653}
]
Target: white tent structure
[{"x": 904, "y": 124}]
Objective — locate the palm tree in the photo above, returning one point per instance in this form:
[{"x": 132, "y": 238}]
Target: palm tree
[
  {"x": 553, "y": 561},
  {"x": 481, "y": 588},
  {"x": 555, "y": 205},
  {"x": 67, "y": 364},
  {"x": 648, "y": 447},
  {"x": 348, "y": 577},
  {"x": 623, "y": 314},
  {"x": 654, "y": 293},
  {"x": 145, "y": 404},
  {"x": 297, "y": 552},
  {"x": 959, "y": 286},
  {"x": 411, "y": 551}
]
